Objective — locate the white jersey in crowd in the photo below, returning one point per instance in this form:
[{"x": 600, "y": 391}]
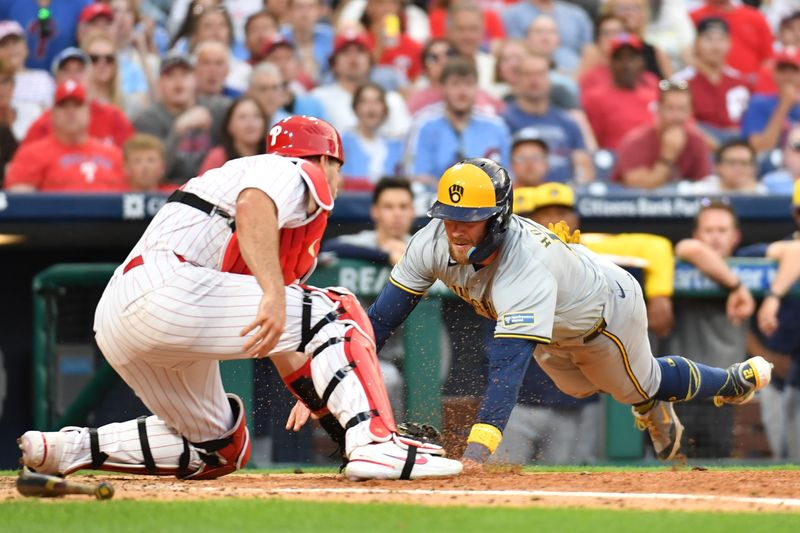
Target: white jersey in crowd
[{"x": 537, "y": 288}]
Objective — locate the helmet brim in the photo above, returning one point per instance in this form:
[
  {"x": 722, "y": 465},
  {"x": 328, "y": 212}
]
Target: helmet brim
[{"x": 461, "y": 214}]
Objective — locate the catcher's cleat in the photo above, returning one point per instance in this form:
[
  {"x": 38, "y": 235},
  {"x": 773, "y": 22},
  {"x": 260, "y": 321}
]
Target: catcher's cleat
[
  {"x": 42, "y": 452},
  {"x": 748, "y": 377},
  {"x": 664, "y": 427},
  {"x": 399, "y": 458}
]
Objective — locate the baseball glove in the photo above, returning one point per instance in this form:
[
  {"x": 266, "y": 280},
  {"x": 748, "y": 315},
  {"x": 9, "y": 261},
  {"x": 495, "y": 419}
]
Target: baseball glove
[
  {"x": 422, "y": 432},
  {"x": 563, "y": 232}
]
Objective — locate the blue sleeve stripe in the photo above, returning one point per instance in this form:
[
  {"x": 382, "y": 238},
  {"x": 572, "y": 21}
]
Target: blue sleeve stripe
[{"x": 401, "y": 286}]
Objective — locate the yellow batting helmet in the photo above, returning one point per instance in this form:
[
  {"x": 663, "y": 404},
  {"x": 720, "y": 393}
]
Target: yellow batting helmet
[{"x": 474, "y": 190}]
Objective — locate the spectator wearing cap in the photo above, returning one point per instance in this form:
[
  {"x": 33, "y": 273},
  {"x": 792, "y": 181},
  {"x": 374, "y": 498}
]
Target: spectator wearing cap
[
  {"x": 788, "y": 37},
  {"x": 782, "y": 180},
  {"x": 107, "y": 123},
  {"x": 351, "y": 67},
  {"x": 719, "y": 93},
  {"x": 529, "y": 154},
  {"x": 312, "y": 38},
  {"x": 669, "y": 150},
  {"x": 97, "y": 18},
  {"x": 137, "y": 65},
  {"x": 259, "y": 30},
  {"x": 211, "y": 68},
  {"x": 628, "y": 102},
  {"x": 574, "y": 26},
  {"x": 568, "y": 157},
  {"x": 33, "y": 86},
  {"x": 268, "y": 88},
  {"x": 465, "y": 32},
  {"x": 48, "y": 35},
  {"x": 189, "y": 125},
  {"x": 444, "y": 135},
  {"x": 68, "y": 159},
  {"x": 370, "y": 155},
  {"x": 241, "y": 134},
  {"x": 751, "y": 37},
  {"x": 635, "y": 16},
  {"x": 388, "y": 38},
  {"x": 735, "y": 166},
  {"x": 596, "y": 57},
  {"x": 768, "y": 117}
]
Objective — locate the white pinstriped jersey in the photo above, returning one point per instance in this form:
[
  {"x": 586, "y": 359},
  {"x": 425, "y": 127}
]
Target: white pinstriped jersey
[{"x": 201, "y": 239}]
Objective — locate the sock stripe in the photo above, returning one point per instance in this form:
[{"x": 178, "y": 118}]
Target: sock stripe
[{"x": 626, "y": 362}]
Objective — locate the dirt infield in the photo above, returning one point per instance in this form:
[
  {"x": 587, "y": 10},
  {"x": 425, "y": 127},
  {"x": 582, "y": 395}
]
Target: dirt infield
[{"x": 760, "y": 490}]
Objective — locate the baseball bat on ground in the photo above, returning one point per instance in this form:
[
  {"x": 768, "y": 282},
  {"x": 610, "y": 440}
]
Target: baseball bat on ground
[{"x": 33, "y": 484}]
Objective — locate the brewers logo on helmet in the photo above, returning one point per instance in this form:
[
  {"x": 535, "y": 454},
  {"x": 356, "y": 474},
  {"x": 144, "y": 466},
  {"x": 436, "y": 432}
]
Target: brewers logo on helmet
[{"x": 474, "y": 190}]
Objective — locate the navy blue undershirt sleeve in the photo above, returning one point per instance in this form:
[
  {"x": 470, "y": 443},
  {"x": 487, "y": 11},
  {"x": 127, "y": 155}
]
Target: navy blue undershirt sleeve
[
  {"x": 508, "y": 362},
  {"x": 389, "y": 310}
]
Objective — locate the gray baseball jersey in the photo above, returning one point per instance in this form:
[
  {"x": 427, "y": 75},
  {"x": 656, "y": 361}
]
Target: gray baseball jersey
[{"x": 538, "y": 288}]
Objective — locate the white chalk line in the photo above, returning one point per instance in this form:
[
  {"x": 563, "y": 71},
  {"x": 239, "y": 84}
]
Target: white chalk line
[{"x": 788, "y": 502}]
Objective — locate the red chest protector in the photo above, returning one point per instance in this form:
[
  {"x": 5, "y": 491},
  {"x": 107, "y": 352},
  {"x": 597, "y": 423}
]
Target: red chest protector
[{"x": 298, "y": 246}]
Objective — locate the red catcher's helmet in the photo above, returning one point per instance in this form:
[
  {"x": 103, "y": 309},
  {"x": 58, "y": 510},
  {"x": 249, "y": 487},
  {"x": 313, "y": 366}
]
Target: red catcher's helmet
[{"x": 302, "y": 136}]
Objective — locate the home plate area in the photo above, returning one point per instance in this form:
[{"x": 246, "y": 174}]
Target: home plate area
[{"x": 695, "y": 489}]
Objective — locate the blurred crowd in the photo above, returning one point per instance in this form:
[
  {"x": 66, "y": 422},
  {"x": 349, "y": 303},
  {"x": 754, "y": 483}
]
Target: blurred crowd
[{"x": 695, "y": 97}]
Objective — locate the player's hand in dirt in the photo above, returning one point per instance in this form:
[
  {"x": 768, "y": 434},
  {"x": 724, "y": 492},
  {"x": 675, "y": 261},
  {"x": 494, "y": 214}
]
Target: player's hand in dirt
[
  {"x": 299, "y": 416},
  {"x": 268, "y": 325},
  {"x": 740, "y": 305},
  {"x": 471, "y": 467}
]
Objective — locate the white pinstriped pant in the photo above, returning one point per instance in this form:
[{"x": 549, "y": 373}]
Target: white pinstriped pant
[{"x": 164, "y": 325}]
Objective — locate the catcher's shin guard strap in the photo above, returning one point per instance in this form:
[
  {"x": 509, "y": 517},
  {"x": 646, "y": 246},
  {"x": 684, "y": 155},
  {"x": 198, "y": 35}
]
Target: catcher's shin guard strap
[
  {"x": 335, "y": 380},
  {"x": 487, "y": 435},
  {"x": 410, "y": 460},
  {"x": 98, "y": 457},
  {"x": 149, "y": 463},
  {"x": 330, "y": 342},
  {"x": 361, "y": 417},
  {"x": 301, "y": 385}
]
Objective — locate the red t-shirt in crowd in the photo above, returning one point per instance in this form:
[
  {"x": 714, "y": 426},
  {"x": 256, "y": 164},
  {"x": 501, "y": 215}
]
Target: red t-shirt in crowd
[
  {"x": 642, "y": 148},
  {"x": 720, "y": 104},
  {"x": 600, "y": 76},
  {"x": 50, "y": 166},
  {"x": 613, "y": 112},
  {"x": 492, "y": 24},
  {"x": 106, "y": 123},
  {"x": 751, "y": 38},
  {"x": 215, "y": 158},
  {"x": 765, "y": 79},
  {"x": 406, "y": 56}
]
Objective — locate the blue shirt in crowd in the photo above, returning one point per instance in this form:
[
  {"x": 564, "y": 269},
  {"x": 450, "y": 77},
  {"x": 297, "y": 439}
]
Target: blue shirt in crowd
[
  {"x": 558, "y": 129},
  {"x": 371, "y": 159},
  {"x": 63, "y": 26},
  {"x": 305, "y": 104},
  {"x": 323, "y": 44},
  {"x": 760, "y": 110},
  {"x": 435, "y": 145},
  {"x": 574, "y": 25}
]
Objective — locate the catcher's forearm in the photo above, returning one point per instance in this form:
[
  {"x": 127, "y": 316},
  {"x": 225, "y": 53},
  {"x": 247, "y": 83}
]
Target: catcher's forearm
[{"x": 257, "y": 227}]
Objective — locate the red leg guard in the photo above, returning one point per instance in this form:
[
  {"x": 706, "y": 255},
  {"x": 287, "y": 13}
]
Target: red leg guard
[
  {"x": 301, "y": 386},
  {"x": 360, "y": 350},
  {"x": 228, "y": 453}
]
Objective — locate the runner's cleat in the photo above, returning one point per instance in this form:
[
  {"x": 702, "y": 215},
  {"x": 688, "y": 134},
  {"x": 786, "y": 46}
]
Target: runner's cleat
[{"x": 664, "y": 427}]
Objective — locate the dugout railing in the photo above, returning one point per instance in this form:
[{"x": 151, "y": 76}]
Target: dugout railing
[{"x": 421, "y": 337}]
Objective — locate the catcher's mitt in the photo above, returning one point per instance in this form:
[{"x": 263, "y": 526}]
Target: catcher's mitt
[
  {"x": 422, "y": 432},
  {"x": 562, "y": 231}
]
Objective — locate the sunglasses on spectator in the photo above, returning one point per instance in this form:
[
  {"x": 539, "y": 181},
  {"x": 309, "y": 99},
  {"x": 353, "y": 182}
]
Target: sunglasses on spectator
[
  {"x": 107, "y": 58},
  {"x": 666, "y": 86}
]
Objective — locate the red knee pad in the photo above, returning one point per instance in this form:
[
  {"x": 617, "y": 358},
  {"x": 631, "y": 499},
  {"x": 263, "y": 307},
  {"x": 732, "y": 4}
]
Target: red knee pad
[{"x": 228, "y": 453}]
